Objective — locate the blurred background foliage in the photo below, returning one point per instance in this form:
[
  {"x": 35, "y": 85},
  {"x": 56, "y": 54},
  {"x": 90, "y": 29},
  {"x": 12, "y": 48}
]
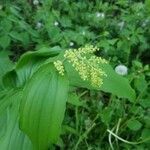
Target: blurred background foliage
[{"x": 121, "y": 29}]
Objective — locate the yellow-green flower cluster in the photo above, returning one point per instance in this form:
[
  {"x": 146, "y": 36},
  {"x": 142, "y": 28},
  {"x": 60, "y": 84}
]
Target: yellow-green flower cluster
[
  {"x": 86, "y": 64},
  {"x": 59, "y": 66}
]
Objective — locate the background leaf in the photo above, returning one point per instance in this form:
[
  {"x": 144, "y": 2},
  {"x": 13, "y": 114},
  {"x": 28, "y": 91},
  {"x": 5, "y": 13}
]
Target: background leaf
[
  {"x": 134, "y": 124},
  {"x": 11, "y": 137},
  {"x": 43, "y": 106},
  {"x": 5, "y": 65}
]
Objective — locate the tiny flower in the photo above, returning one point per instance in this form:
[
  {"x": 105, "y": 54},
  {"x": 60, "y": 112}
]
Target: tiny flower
[
  {"x": 86, "y": 64},
  {"x": 39, "y": 25},
  {"x": 121, "y": 70},
  {"x": 145, "y": 23},
  {"x": 128, "y": 38},
  {"x": 59, "y": 66},
  {"x": 100, "y": 15},
  {"x": 71, "y": 44},
  {"x": 56, "y": 23},
  {"x": 35, "y": 2},
  {"x": 121, "y": 25},
  {"x": 83, "y": 32},
  {"x": 138, "y": 14}
]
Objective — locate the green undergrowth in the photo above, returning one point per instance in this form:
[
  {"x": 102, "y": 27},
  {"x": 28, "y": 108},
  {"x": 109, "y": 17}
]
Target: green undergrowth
[{"x": 41, "y": 109}]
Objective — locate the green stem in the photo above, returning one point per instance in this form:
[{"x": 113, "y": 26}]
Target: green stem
[
  {"x": 84, "y": 135},
  {"x": 125, "y": 141}
]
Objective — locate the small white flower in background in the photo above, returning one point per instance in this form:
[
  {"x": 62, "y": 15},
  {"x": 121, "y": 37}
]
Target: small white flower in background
[
  {"x": 71, "y": 44},
  {"x": 145, "y": 23},
  {"x": 100, "y": 15},
  {"x": 121, "y": 25},
  {"x": 39, "y": 25},
  {"x": 83, "y": 32},
  {"x": 35, "y": 2},
  {"x": 128, "y": 38},
  {"x": 138, "y": 14},
  {"x": 121, "y": 70},
  {"x": 56, "y": 23}
]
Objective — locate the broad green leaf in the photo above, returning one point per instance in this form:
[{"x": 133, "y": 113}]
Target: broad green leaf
[
  {"x": 113, "y": 83},
  {"x": 10, "y": 80},
  {"x": 7, "y": 24},
  {"x": 5, "y": 65},
  {"x": 3, "y": 127},
  {"x": 116, "y": 84},
  {"x": 11, "y": 137},
  {"x": 6, "y": 99},
  {"x": 43, "y": 106},
  {"x": 147, "y": 4},
  {"x": 5, "y": 41},
  {"x": 31, "y": 61},
  {"x": 27, "y": 65},
  {"x": 134, "y": 124},
  {"x": 145, "y": 102}
]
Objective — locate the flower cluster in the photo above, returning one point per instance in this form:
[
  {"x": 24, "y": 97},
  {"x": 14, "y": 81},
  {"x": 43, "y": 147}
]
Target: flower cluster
[
  {"x": 86, "y": 64},
  {"x": 59, "y": 66},
  {"x": 100, "y": 15},
  {"x": 35, "y": 2}
]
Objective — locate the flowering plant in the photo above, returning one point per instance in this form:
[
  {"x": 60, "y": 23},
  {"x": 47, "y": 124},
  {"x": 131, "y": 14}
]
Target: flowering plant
[
  {"x": 97, "y": 94},
  {"x": 38, "y": 87},
  {"x": 86, "y": 65}
]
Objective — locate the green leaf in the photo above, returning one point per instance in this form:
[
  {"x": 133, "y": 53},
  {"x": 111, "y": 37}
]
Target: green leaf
[
  {"x": 113, "y": 83},
  {"x": 68, "y": 129},
  {"x": 31, "y": 61},
  {"x": 74, "y": 100},
  {"x": 140, "y": 83},
  {"x": 134, "y": 124},
  {"x": 5, "y": 65},
  {"x": 11, "y": 137},
  {"x": 116, "y": 84},
  {"x": 5, "y": 41},
  {"x": 147, "y": 4},
  {"x": 27, "y": 65},
  {"x": 6, "y": 98},
  {"x": 146, "y": 134},
  {"x": 15, "y": 35},
  {"x": 10, "y": 80},
  {"x": 145, "y": 102},
  {"x": 43, "y": 106},
  {"x": 106, "y": 115}
]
